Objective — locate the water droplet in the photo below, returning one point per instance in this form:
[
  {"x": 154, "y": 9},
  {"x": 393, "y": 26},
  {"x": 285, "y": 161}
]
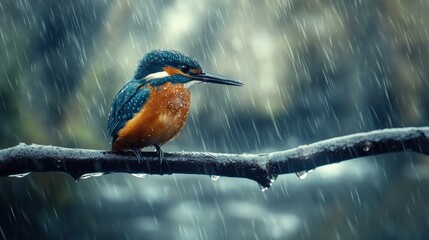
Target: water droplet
[
  {"x": 58, "y": 163},
  {"x": 88, "y": 175},
  {"x": 302, "y": 175},
  {"x": 139, "y": 175},
  {"x": 263, "y": 189},
  {"x": 367, "y": 146},
  {"x": 20, "y": 175},
  {"x": 272, "y": 179},
  {"x": 214, "y": 177}
]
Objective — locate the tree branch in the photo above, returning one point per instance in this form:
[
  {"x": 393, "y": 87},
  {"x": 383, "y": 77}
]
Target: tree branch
[{"x": 262, "y": 168}]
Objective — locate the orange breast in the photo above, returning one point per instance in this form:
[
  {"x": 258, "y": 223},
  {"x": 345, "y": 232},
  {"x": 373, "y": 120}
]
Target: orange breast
[{"x": 159, "y": 121}]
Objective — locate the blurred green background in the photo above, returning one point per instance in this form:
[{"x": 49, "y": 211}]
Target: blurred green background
[{"x": 312, "y": 70}]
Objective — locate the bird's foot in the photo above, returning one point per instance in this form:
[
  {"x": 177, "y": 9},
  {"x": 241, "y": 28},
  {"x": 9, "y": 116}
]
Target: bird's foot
[
  {"x": 159, "y": 152},
  {"x": 137, "y": 153}
]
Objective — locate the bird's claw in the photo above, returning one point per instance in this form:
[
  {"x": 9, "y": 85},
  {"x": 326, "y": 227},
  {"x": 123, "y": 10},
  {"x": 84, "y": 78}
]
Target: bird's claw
[
  {"x": 138, "y": 154},
  {"x": 159, "y": 152}
]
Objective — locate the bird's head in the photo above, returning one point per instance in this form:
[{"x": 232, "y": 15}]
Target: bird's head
[{"x": 161, "y": 66}]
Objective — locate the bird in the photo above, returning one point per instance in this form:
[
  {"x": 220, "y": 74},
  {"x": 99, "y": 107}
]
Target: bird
[{"x": 151, "y": 108}]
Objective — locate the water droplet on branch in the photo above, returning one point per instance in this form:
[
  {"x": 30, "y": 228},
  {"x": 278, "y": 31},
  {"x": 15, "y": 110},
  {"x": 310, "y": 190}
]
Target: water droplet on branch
[
  {"x": 20, "y": 175},
  {"x": 58, "y": 163},
  {"x": 263, "y": 189},
  {"x": 139, "y": 175},
  {"x": 302, "y": 175},
  {"x": 215, "y": 177},
  {"x": 89, "y": 175},
  {"x": 367, "y": 146}
]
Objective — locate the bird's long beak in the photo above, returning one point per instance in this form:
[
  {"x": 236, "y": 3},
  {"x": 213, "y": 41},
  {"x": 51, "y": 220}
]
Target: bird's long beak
[{"x": 216, "y": 78}]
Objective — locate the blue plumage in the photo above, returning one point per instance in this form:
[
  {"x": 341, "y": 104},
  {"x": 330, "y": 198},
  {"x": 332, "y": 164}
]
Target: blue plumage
[
  {"x": 127, "y": 102},
  {"x": 155, "y": 60}
]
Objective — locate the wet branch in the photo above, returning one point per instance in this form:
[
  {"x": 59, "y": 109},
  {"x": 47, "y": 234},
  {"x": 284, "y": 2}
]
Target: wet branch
[{"x": 262, "y": 168}]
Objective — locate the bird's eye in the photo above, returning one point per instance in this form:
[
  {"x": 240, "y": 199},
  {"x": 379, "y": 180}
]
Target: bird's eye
[{"x": 184, "y": 69}]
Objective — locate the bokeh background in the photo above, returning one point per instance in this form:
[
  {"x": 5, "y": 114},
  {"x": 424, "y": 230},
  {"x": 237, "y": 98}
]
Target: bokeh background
[{"x": 312, "y": 70}]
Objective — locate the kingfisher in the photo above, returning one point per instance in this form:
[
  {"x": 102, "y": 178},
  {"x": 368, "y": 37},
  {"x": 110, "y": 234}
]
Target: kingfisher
[{"x": 152, "y": 107}]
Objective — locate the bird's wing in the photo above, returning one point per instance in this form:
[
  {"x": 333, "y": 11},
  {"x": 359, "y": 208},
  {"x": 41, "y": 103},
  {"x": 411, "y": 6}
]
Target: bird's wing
[{"x": 127, "y": 102}]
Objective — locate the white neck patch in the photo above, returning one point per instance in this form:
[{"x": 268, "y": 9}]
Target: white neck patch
[
  {"x": 156, "y": 75},
  {"x": 190, "y": 83},
  {"x": 165, "y": 74}
]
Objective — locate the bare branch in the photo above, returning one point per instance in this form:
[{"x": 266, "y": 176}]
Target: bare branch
[{"x": 262, "y": 168}]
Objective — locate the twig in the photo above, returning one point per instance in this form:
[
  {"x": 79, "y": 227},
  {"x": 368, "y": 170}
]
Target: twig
[{"x": 262, "y": 168}]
